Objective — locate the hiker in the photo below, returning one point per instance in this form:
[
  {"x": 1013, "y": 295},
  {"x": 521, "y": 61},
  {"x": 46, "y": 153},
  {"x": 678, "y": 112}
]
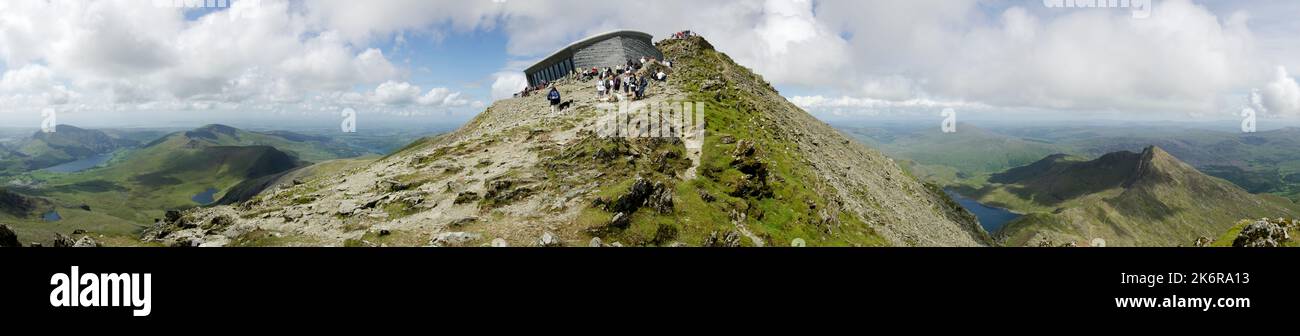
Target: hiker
[
  {"x": 554, "y": 97},
  {"x": 641, "y": 92},
  {"x": 661, "y": 76},
  {"x": 600, "y": 89},
  {"x": 632, "y": 87}
]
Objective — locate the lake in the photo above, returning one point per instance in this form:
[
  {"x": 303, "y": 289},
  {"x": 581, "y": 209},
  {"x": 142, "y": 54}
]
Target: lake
[
  {"x": 80, "y": 165},
  {"x": 991, "y": 218},
  {"x": 205, "y": 197},
  {"x": 52, "y": 216}
]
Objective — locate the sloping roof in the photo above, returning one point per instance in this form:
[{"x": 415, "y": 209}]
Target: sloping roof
[{"x": 560, "y": 54}]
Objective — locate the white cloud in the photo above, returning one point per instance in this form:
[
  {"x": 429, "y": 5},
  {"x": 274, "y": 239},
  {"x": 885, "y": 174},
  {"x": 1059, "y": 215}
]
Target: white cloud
[
  {"x": 507, "y": 84},
  {"x": 1182, "y": 58},
  {"x": 394, "y": 93},
  {"x": 1281, "y": 96},
  {"x": 405, "y": 94},
  {"x": 871, "y": 54},
  {"x": 130, "y": 52}
]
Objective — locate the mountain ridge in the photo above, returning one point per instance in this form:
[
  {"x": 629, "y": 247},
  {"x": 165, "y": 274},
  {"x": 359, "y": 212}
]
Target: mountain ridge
[
  {"x": 768, "y": 173},
  {"x": 1128, "y": 199}
]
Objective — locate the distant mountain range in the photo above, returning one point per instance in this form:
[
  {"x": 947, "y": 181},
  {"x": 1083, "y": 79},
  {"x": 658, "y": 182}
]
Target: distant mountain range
[
  {"x": 1263, "y": 162},
  {"x": 175, "y": 171},
  {"x": 1125, "y": 198},
  {"x": 66, "y": 144}
]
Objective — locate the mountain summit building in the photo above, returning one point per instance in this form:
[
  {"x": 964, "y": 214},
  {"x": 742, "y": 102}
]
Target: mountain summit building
[{"x": 603, "y": 50}]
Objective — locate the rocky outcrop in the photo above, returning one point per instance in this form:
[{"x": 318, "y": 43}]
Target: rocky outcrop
[
  {"x": 1263, "y": 233},
  {"x": 86, "y": 241},
  {"x": 747, "y": 160},
  {"x": 61, "y": 240},
  {"x": 730, "y": 239},
  {"x": 643, "y": 193}
]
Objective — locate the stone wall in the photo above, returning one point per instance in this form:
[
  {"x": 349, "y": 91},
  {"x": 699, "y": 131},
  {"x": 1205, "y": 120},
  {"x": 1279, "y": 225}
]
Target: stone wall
[{"x": 605, "y": 53}]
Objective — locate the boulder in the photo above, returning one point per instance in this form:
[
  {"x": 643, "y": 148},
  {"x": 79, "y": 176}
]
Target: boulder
[
  {"x": 8, "y": 238},
  {"x": 549, "y": 240},
  {"x": 1262, "y": 233},
  {"x": 86, "y": 241},
  {"x": 447, "y": 239},
  {"x": 62, "y": 241}
]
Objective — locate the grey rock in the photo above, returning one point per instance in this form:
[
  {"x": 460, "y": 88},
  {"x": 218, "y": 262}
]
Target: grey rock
[
  {"x": 61, "y": 240},
  {"x": 347, "y": 208},
  {"x": 86, "y": 241},
  {"x": 447, "y": 239},
  {"x": 1262, "y": 233},
  {"x": 549, "y": 240}
]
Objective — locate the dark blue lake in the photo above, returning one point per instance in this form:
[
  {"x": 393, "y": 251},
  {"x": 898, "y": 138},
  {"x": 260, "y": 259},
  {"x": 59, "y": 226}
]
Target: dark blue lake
[
  {"x": 205, "y": 197},
  {"x": 80, "y": 165},
  {"x": 991, "y": 218},
  {"x": 52, "y": 216}
]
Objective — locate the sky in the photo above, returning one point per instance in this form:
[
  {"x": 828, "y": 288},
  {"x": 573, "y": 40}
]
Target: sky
[{"x": 154, "y": 63}]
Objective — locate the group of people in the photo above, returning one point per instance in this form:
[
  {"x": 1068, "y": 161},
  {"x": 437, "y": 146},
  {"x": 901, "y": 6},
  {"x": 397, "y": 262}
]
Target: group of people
[
  {"x": 682, "y": 35},
  {"x": 622, "y": 84}
]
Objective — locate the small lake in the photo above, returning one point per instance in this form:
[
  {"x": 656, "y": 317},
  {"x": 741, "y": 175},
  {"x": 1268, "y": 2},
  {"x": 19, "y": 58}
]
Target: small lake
[
  {"x": 991, "y": 218},
  {"x": 80, "y": 165},
  {"x": 52, "y": 216},
  {"x": 205, "y": 197}
]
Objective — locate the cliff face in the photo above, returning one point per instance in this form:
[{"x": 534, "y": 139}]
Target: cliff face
[{"x": 763, "y": 173}]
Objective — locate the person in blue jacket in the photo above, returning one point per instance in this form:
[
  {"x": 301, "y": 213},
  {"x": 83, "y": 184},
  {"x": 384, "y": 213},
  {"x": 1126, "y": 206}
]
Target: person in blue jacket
[{"x": 554, "y": 97}]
